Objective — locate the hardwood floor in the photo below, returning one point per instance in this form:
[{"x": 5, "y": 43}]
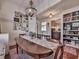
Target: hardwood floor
[
  {"x": 71, "y": 53},
  {"x": 7, "y": 56},
  {"x": 65, "y": 57}
]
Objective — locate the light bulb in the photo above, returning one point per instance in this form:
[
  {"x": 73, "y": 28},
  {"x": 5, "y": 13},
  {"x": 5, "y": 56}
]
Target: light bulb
[
  {"x": 30, "y": 10},
  {"x": 50, "y": 15}
]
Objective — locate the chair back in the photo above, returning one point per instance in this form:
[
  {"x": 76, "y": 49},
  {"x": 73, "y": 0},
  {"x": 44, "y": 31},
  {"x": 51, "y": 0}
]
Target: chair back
[{"x": 59, "y": 53}]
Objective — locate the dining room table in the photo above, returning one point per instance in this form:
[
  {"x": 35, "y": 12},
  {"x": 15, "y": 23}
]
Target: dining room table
[{"x": 37, "y": 48}]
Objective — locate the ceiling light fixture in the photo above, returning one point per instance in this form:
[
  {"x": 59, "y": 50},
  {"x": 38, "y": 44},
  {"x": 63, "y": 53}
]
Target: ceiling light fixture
[
  {"x": 50, "y": 15},
  {"x": 31, "y": 11}
]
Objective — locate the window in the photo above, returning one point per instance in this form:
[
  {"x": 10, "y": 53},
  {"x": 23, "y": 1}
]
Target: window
[{"x": 43, "y": 26}]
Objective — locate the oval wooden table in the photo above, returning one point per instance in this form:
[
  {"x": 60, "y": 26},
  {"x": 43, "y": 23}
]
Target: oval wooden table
[{"x": 32, "y": 49}]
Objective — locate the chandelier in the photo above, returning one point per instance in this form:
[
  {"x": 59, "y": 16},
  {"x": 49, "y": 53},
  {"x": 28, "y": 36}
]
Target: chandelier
[{"x": 31, "y": 11}]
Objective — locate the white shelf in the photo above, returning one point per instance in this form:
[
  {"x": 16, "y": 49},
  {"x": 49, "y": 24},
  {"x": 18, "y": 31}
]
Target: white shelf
[
  {"x": 70, "y": 39},
  {"x": 73, "y": 46},
  {"x": 72, "y": 34},
  {"x": 71, "y": 21},
  {"x": 73, "y": 30}
]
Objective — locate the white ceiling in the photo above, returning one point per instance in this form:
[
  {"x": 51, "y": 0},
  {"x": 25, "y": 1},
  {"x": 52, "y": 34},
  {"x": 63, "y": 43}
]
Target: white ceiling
[
  {"x": 61, "y": 6},
  {"x": 25, "y": 3},
  {"x": 0, "y": 3},
  {"x": 58, "y": 8}
]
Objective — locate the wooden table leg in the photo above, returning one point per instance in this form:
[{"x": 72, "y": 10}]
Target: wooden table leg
[
  {"x": 17, "y": 48},
  {"x": 22, "y": 51},
  {"x": 77, "y": 51}
]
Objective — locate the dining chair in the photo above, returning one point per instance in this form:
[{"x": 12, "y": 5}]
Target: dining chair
[{"x": 58, "y": 53}]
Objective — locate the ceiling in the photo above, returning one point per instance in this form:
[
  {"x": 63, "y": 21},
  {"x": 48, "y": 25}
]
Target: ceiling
[
  {"x": 24, "y": 3},
  {"x": 0, "y": 3},
  {"x": 58, "y": 8}
]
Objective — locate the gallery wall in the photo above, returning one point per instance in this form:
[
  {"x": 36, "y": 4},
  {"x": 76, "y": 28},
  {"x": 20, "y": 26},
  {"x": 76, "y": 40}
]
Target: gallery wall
[{"x": 6, "y": 18}]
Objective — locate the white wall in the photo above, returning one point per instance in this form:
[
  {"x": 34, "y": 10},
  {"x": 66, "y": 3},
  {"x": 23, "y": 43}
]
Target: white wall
[
  {"x": 6, "y": 16},
  {"x": 8, "y": 8},
  {"x": 32, "y": 24}
]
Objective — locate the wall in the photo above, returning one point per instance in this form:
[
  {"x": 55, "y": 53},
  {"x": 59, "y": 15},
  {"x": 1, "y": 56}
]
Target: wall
[
  {"x": 6, "y": 16},
  {"x": 8, "y": 8},
  {"x": 32, "y": 24}
]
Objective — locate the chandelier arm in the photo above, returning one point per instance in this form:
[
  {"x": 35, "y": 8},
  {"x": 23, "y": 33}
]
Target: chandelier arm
[
  {"x": 31, "y": 3},
  {"x": 31, "y": 10}
]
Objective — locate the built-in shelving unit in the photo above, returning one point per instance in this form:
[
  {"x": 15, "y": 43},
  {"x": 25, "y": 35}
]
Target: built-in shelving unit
[{"x": 71, "y": 29}]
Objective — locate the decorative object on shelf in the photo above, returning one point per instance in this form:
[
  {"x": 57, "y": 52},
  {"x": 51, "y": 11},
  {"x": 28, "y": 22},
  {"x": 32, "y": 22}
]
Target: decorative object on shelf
[
  {"x": 68, "y": 27},
  {"x": 75, "y": 38},
  {"x": 75, "y": 24},
  {"x": 31, "y": 11},
  {"x": 68, "y": 37}
]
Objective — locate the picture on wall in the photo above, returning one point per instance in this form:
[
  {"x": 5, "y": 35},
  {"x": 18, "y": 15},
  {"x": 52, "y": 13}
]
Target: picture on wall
[{"x": 20, "y": 21}]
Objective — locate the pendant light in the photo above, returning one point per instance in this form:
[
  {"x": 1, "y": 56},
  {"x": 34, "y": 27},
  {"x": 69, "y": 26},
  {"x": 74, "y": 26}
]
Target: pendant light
[
  {"x": 31, "y": 11},
  {"x": 50, "y": 15}
]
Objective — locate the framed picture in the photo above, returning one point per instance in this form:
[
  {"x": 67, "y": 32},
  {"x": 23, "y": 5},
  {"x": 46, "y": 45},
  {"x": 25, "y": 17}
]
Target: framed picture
[{"x": 0, "y": 28}]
